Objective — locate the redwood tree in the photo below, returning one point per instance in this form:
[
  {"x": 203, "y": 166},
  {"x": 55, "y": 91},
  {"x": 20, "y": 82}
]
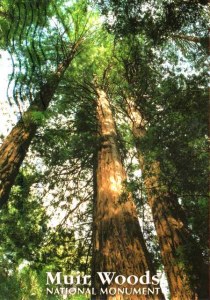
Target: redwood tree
[
  {"x": 170, "y": 223},
  {"x": 118, "y": 244},
  {"x": 16, "y": 144}
]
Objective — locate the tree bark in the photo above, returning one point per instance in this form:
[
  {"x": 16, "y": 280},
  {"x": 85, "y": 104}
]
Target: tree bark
[
  {"x": 171, "y": 227},
  {"x": 16, "y": 144},
  {"x": 118, "y": 244}
]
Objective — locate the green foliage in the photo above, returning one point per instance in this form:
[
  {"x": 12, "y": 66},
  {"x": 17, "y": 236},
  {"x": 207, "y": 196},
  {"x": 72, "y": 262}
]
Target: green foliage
[
  {"x": 156, "y": 19},
  {"x": 9, "y": 284},
  {"x": 23, "y": 221},
  {"x": 178, "y": 132},
  {"x": 131, "y": 63},
  {"x": 38, "y": 117}
]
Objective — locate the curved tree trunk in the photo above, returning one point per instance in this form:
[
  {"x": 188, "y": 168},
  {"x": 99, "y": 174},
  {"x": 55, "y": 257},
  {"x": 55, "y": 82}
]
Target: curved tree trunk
[
  {"x": 172, "y": 231},
  {"x": 16, "y": 144},
  {"x": 118, "y": 244}
]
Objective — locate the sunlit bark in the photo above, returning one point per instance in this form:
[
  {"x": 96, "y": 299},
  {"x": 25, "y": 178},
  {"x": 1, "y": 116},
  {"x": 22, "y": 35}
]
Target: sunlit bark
[
  {"x": 172, "y": 230},
  {"x": 118, "y": 244},
  {"x": 16, "y": 144}
]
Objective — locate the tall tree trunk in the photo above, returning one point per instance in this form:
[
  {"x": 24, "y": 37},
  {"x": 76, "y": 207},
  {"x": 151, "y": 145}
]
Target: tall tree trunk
[
  {"x": 118, "y": 244},
  {"x": 172, "y": 231},
  {"x": 16, "y": 144}
]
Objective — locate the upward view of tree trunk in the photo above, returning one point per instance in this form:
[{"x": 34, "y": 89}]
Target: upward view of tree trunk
[
  {"x": 170, "y": 224},
  {"x": 16, "y": 144},
  {"x": 118, "y": 243},
  {"x": 112, "y": 209}
]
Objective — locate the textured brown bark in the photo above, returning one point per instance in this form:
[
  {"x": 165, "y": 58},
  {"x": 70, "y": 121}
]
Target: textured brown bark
[
  {"x": 16, "y": 144},
  {"x": 170, "y": 224},
  {"x": 118, "y": 244}
]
